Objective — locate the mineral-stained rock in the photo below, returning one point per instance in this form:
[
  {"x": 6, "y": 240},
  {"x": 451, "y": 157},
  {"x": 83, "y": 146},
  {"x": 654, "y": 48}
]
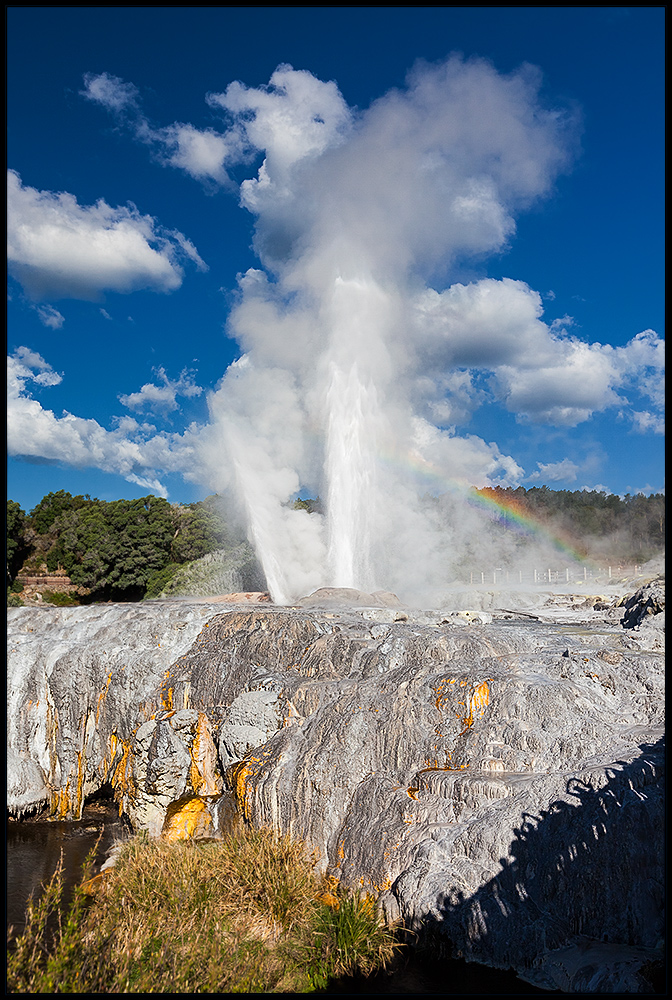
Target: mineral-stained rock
[
  {"x": 186, "y": 818},
  {"x": 172, "y": 755},
  {"x": 498, "y": 783},
  {"x": 81, "y": 681}
]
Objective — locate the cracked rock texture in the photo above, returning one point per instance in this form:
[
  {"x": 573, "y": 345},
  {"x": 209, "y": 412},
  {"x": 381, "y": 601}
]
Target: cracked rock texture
[{"x": 495, "y": 780}]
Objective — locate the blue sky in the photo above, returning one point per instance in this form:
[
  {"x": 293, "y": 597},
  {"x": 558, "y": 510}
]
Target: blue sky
[{"x": 164, "y": 220}]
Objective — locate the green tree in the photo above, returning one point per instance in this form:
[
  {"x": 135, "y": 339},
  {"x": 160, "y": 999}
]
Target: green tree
[
  {"x": 17, "y": 546},
  {"x": 51, "y": 506},
  {"x": 200, "y": 529},
  {"x": 112, "y": 549},
  {"x": 313, "y": 506}
]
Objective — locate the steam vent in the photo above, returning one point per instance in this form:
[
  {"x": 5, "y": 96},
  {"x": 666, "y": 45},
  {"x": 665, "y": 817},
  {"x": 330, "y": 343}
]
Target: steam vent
[{"x": 493, "y": 776}]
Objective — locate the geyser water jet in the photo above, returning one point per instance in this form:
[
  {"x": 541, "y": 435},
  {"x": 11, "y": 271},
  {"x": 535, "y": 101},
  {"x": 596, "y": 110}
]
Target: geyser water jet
[
  {"x": 346, "y": 358},
  {"x": 350, "y": 472}
]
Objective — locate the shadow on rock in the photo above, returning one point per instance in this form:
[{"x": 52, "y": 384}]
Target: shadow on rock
[{"x": 579, "y": 903}]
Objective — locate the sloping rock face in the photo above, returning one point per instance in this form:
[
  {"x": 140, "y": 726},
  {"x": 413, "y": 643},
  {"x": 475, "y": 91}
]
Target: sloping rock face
[
  {"x": 496, "y": 783},
  {"x": 648, "y": 600},
  {"x": 80, "y": 683}
]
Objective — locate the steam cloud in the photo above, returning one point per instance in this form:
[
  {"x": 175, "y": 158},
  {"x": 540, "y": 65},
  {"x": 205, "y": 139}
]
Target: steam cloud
[{"x": 348, "y": 355}]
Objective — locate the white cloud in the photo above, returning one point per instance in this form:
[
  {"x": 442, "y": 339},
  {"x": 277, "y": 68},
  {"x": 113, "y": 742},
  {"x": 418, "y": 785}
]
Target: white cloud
[
  {"x": 295, "y": 118},
  {"x": 204, "y": 154},
  {"x": 201, "y": 153},
  {"x": 645, "y": 422},
  {"x": 130, "y": 450},
  {"x": 59, "y": 249},
  {"x": 580, "y": 381},
  {"x": 50, "y": 317},
  {"x": 466, "y": 459},
  {"x": 541, "y": 373},
  {"x": 162, "y": 398},
  {"x": 584, "y": 379},
  {"x": 110, "y": 91},
  {"x": 26, "y": 365},
  {"x": 562, "y": 324},
  {"x": 448, "y": 400},
  {"x": 556, "y": 472},
  {"x": 482, "y": 325},
  {"x": 641, "y": 364}
]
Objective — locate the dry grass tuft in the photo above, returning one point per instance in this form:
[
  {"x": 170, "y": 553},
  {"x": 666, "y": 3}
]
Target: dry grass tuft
[{"x": 242, "y": 915}]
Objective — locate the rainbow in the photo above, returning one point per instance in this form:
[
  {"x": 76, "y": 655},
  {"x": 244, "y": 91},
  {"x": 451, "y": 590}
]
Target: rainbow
[{"x": 510, "y": 514}]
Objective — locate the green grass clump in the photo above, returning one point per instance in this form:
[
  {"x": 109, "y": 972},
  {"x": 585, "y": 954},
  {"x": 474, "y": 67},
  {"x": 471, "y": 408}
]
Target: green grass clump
[
  {"x": 59, "y": 599},
  {"x": 240, "y": 915}
]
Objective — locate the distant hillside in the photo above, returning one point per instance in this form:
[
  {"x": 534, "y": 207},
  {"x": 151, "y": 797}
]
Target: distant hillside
[{"x": 627, "y": 530}]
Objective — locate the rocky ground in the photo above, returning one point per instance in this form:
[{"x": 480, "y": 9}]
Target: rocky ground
[{"x": 493, "y": 773}]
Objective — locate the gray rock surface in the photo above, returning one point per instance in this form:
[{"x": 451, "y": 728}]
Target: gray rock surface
[
  {"x": 494, "y": 778},
  {"x": 80, "y": 683},
  {"x": 648, "y": 600}
]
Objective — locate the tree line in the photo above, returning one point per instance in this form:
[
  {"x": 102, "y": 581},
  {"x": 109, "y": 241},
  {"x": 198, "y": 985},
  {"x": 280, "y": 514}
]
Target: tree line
[
  {"x": 113, "y": 550},
  {"x": 629, "y": 529}
]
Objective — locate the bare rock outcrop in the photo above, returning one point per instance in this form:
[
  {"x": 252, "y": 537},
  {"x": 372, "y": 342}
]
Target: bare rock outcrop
[
  {"x": 493, "y": 781},
  {"x": 80, "y": 683},
  {"x": 648, "y": 600}
]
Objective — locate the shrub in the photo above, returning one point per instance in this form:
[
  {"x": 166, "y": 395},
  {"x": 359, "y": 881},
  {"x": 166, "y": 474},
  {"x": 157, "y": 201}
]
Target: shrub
[
  {"x": 59, "y": 599},
  {"x": 160, "y": 579}
]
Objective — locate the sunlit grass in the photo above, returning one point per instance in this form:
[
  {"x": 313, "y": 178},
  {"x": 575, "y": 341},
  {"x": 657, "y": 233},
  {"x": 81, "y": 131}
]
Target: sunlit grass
[{"x": 242, "y": 915}]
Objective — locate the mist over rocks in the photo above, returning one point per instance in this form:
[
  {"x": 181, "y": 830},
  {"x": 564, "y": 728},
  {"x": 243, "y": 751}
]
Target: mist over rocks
[
  {"x": 496, "y": 783},
  {"x": 341, "y": 597}
]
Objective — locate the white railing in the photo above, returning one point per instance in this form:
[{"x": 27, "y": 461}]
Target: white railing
[{"x": 549, "y": 575}]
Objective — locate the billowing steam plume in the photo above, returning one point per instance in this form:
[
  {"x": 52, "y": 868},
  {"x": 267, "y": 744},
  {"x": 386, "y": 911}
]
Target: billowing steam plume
[{"x": 354, "y": 371}]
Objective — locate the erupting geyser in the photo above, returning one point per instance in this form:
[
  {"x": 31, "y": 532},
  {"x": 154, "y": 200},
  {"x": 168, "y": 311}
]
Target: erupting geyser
[{"x": 354, "y": 371}]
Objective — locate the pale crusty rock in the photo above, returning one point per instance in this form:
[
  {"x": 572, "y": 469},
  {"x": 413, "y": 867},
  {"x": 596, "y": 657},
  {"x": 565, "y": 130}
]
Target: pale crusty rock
[
  {"x": 80, "y": 682},
  {"x": 172, "y": 756},
  {"x": 498, "y": 783},
  {"x": 648, "y": 600},
  {"x": 343, "y": 597},
  {"x": 250, "y": 721},
  {"x": 248, "y": 597}
]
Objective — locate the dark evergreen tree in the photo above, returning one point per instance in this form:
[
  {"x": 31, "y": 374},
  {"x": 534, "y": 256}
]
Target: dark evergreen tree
[{"x": 17, "y": 545}]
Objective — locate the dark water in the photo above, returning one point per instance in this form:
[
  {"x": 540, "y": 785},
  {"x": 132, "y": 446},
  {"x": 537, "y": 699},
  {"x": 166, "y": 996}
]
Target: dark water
[{"x": 34, "y": 849}]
